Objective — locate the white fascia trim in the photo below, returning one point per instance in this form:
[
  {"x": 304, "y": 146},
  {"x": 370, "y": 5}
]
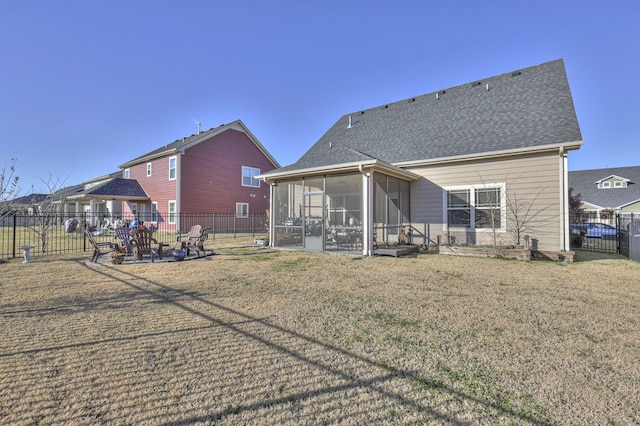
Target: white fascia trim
[
  {"x": 356, "y": 166},
  {"x": 493, "y": 154}
]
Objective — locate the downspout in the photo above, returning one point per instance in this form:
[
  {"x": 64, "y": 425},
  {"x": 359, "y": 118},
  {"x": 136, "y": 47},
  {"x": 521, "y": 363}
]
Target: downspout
[
  {"x": 367, "y": 213},
  {"x": 565, "y": 201},
  {"x": 271, "y": 210}
]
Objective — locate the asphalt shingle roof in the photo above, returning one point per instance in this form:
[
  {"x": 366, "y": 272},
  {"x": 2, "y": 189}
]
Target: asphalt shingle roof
[
  {"x": 583, "y": 182},
  {"x": 119, "y": 187},
  {"x": 178, "y": 143},
  {"x": 526, "y": 108}
]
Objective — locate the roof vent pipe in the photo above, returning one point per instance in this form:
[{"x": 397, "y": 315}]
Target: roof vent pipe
[
  {"x": 349, "y": 126},
  {"x": 487, "y": 87}
]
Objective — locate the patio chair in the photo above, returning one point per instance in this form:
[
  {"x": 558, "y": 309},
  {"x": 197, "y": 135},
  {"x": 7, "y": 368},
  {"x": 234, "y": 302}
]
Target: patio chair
[
  {"x": 100, "y": 248},
  {"x": 144, "y": 244},
  {"x": 124, "y": 236},
  {"x": 194, "y": 240}
]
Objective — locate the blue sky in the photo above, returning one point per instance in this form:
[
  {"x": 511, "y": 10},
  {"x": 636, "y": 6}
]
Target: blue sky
[{"x": 88, "y": 85}]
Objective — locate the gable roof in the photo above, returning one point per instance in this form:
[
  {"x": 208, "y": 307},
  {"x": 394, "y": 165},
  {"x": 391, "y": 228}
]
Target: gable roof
[
  {"x": 585, "y": 183},
  {"x": 180, "y": 145},
  {"x": 529, "y": 109}
]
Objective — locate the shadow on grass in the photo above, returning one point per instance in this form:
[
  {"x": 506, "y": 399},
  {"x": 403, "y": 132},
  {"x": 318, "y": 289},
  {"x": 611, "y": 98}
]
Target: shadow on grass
[{"x": 318, "y": 358}]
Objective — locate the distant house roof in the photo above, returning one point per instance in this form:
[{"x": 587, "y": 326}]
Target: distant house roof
[
  {"x": 114, "y": 189},
  {"x": 585, "y": 183},
  {"x": 180, "y": 145},
  {"x": 531, "y": 108},
  {"x": 31, "y": 199}
]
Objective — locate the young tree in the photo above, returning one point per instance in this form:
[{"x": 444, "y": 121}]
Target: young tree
[
  {"x": 524, "y": 214},
  {"x": 8, "y": 187},
  {"x": 45, "y": 213}
]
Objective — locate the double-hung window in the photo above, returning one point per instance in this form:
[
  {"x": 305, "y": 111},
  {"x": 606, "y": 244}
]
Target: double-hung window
[
  {"x": 172, "y": 168},
  {"x": 459, "y": 208},
  {"x": 488, "y": 208},
  {"x": 475, "y": 207},
  {"x": 154, "y": 211},
  {"x": 172, "y": 212},
  {"x": 148, "y": 169},
  {"x": 242, "y": 210},
  {"x": 249, "y": 177}
]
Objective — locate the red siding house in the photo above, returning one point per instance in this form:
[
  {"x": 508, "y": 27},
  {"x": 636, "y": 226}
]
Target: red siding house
[{"x": 213, "y": 171}]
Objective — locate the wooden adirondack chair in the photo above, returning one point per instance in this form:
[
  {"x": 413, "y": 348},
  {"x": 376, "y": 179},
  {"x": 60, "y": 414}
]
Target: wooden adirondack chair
[
  {"x": 100, "y": 248},
  {"x": 143, "y": 243},
  {"x": 124, "y": 236},
  {"x": 195, "y": 239}
]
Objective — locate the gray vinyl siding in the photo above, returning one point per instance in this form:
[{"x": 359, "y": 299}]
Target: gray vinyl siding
[{"x": 525, "y": 177}]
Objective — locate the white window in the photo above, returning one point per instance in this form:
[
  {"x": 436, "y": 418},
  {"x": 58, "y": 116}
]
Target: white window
[
  {"x": 606, "y": 184},
  {"x": 242, "y": 209},
  {"x": 617, "y": 184},
  {"x": 475, "y": 207},
  {"x": 154, "y": 211},
  {"x": 126, "y": 173},
  {"x": 172, "y": 212},
  {"x": 172, "y": 168},
  {"x": 148, "y": 169},
  {"x": 134, "y": 210},
  {"x": 249, "y": 177}
]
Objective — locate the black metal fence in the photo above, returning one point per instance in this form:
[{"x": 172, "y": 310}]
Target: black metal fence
[
  {"x": 612, "y": 234},
  {"x": 60, "y": 234}
]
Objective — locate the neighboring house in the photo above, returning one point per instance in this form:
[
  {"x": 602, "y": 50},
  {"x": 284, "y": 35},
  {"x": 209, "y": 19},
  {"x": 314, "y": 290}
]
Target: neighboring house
[
  {"x": 27, "y": 204},
  {"x": 467, "y": 164},
  {"x": 213, "y": 171},
  {"x": 98, "y": 200},
  {"x": 607, "y": 192}
]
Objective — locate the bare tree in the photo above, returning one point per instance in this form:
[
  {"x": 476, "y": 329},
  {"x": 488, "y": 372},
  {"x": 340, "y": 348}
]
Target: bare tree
[
  {"x": 45, "y": 213},
  {"x": 524, "y": 214},
  {"x": 8, "y": 187}
]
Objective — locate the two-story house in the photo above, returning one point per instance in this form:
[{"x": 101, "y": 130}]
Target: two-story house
[{"x": 213, "y": 171}]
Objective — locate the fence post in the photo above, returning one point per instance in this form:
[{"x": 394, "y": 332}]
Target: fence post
[
  {"x": 213, "y": 226},
  {"x": 84, "y": 234},
  {"x": 15, "y": 221}
]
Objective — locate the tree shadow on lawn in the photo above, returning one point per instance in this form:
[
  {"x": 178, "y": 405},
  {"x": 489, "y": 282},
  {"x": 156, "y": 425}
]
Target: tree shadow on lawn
[{"x": 332, "y": 376}]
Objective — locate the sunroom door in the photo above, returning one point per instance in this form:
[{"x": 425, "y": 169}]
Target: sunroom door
[{"x": 314, "y": 221}]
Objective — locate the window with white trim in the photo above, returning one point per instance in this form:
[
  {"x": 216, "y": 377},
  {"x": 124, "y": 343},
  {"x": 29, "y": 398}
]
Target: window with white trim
[
  {"x": 617, "y": 184},
  {"x": 475, "y": 207},
  {"x": 126, "y": 173},
  {"x": 249, "y": 177},
  {"x": 148, "y": 169},
  {"x": 606, "y": 184},
  {"x": 242, "y": 209},
  {"x": 172, "y": 212},
  {"x": 172, "y": 167},
  {"x": 154, "y": 211}
]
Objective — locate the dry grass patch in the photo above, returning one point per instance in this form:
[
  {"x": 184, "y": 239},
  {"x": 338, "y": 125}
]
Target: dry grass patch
[{"x": 260, "y": 336}]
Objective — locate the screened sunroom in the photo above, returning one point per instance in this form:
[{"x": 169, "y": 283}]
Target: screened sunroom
[{"x": 347, "y": 211}]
